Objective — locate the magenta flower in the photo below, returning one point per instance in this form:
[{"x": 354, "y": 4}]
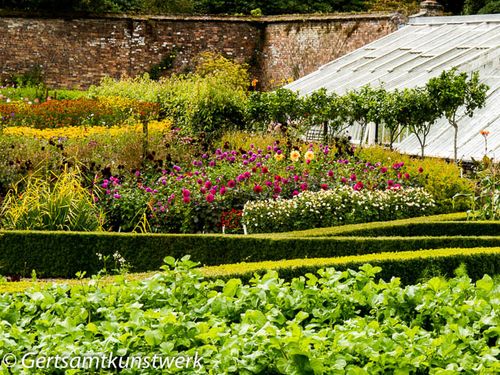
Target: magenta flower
[
  {"x": 358, "y": 186},
  {"x": 231, "y": 183},
  {"x": 208, "y": 184},
  {"x": 186, "y": 199},
  {"x": 390, "y": 182},
  {"x": 383, "y": 170},
  {"x": 343, "y": 180},
  {"x": 277, "y": 189},
  {"x": 222, "y": 190},
  {"x": 210, "y": 198},
  {"x": 203, "y": 190},
  {"x": 303, "y": 186},
  {"x": 324, "y": 186},
  {"x": 117, "y": 196},
  {"x": 407, "y": 175},
  {"x": 353, "y": 177},
  {"x": 186, "y": 193},
  {"x": 295, "y": 193},
  {"x": 330, "y": 173},
  {"x": 257, "y": 189}
]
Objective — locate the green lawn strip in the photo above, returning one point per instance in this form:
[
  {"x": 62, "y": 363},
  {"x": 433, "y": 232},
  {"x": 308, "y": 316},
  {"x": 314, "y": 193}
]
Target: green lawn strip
[
  {"x": 357, "y": 228},
  {"x": 410, "y": 266}
]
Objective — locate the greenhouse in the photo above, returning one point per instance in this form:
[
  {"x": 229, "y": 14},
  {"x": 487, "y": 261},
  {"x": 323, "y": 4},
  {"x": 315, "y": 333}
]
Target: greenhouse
[{"x": 409, "y": 57}]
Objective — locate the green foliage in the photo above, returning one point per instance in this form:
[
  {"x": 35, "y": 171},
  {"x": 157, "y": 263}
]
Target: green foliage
[
  {"x": 324, "y": 323},
  {"x": 481, "y": 6},
  {"x": 486, "y": 199},
  {"x": 204, "y": 103},
  {"x": 417, "y": 111},
  {"x": 363, "y": 107},
  {"x": 45, "y": 205},
  {"x": 453, "y": 91}
]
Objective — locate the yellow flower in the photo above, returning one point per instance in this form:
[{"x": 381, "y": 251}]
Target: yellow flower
[
  {"x": 309, "y": 155},
  {"x": 279, "y": 157},
  {"x": 294, "y": 155}
]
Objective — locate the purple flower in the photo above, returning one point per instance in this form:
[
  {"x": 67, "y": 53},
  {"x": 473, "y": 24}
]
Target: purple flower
[
  {"x": 177, "y": 168},
  {"x": 117, "y": 196}
]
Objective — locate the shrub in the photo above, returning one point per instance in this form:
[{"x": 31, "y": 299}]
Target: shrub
[
  {"x": 441, "y": 179},
  {"x": 334, "y": 207},
  {"x": 44, "y": 205}
]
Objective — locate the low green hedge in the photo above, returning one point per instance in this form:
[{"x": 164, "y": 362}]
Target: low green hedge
[
  {"x": 361, "y": 229},
  {"x": 447, "y": 228},
  {"x": 409, "y": 266},
  {"x": 63, "y": 254}
]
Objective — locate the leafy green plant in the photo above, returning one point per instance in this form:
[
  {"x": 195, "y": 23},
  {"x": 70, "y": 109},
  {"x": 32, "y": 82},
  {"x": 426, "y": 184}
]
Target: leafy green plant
[
  {"x": 325, "y": 322},
  {"x": 61, "y": 204}
]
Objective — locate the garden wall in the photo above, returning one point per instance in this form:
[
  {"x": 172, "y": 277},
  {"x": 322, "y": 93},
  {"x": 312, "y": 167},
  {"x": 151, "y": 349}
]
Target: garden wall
[{"x": 78, "y": 51}]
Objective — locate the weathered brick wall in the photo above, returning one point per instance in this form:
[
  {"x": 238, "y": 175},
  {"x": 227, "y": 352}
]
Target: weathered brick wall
[
  {"x": 78, "y": 52},
  {"x": 294, "y": 49}
]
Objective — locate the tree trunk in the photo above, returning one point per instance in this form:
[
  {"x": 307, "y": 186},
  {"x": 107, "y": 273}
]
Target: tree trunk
[
  {"x": 422, "y": 148},
  {"x": 455, "y": 141}
]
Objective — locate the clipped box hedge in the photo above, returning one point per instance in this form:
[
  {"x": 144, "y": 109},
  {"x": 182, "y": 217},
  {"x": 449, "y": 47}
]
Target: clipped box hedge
[
  {"x": 410, "y": 266},
  {"x": 63, "y": 254}
]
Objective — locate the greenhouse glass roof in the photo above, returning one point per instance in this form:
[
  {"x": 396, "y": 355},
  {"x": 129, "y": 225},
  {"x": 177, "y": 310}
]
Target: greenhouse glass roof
[{"x": 411, "y": 56}]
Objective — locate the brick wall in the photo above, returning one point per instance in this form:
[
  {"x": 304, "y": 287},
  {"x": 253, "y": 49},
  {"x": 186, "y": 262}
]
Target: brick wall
[{"x": 78, "y": 52}]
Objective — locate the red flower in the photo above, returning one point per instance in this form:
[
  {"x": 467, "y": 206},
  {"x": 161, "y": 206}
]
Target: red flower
[
  {"x": 358, "y": 186},
  {"x": 257, "y": 189},
  {"x": 324, "y": 186}
]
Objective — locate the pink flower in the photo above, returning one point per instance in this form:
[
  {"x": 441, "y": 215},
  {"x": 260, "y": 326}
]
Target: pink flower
[
  {"x": 343, "y": 180},
  {"x": 203, "y": 190},
  {"x": 222, "y": 190},
  {"x": 330, "y": 173},
  {"x": 210, "y": 198},
  {"x": 257, "y": 189},
  {"x": 407, "y": 175},
  {"x": 383, "y": 169},
  {"x": 303, "y": 186},
  {"x": 231, "y": 183},
  {"x": 186, "y": 199},
  {"x": 295, "y": 192},
  {"x": 358, "y": 186},
  {"x": 117, "y": 196},
  {"x": 277, "y": 189},
  {"x": 186, "y": 193},
  {"x": 390, "y": 182},
  {"x": 353, "y": 177},
  {"x": 324, "y": 187},
  {"x": 137, "y": 173},
  {"x": 208, "y": 184}
]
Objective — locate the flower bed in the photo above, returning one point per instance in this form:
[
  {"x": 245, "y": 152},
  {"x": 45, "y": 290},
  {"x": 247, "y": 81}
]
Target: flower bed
[
  {"x": 61, "y": 113},
  {"x": 197, "y": 197},
  {"x": 342, "y": 205}
]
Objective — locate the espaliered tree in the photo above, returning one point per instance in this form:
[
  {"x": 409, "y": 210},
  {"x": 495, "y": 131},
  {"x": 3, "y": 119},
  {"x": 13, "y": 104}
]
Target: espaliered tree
[
  {"x": 418, "y": 112},
  {"x": 453, "y": 92},
  {"x": 363, "y": 106},
  {"x": 389, "y": 112},
  {"x": 328, "y": 110}
]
